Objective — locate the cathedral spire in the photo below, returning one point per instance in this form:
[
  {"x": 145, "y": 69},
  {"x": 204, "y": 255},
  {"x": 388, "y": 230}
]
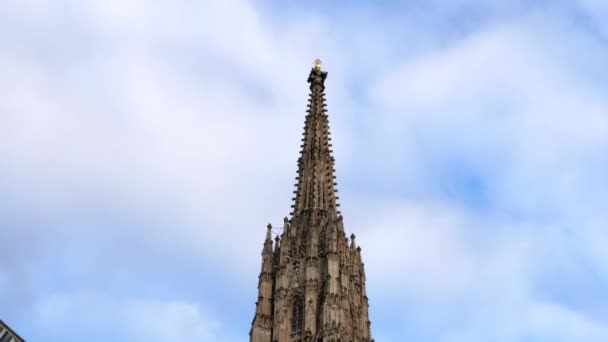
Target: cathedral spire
[
  {"x": 311, "y": 286},
  {"x": 315, "y": 181}
]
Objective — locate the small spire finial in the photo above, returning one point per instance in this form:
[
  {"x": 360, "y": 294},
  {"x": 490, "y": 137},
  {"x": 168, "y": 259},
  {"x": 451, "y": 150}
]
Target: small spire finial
[
  {"x": 268, "y": 232},
  {"x": 317, "y": 64}
]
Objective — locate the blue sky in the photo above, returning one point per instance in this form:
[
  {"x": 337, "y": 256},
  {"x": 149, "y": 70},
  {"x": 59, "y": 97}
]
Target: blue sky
[{"x": 145, "y": 145}]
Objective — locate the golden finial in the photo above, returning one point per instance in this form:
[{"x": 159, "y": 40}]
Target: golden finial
[{"x": 317, "y": 64}]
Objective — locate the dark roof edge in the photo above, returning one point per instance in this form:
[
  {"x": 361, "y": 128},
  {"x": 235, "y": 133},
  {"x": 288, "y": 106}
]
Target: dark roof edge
[{"x": 11, "y": 330}]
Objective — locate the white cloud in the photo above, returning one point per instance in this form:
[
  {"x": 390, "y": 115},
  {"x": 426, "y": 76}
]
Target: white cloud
[
  {"x": 510, "y": 104},
  {"x": 501, "y": 102},
  {"x": 180, "y": 115},
  {"x": 467, "y": 277},
  {"x": 131, "y": 319},
  {"x": 420, "y": 243},
  {"x": 564, "y": 325},
  {"x": 130, "y": 124}
]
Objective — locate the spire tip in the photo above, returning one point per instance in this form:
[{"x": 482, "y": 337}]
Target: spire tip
[{"x": 317, "y": 64}]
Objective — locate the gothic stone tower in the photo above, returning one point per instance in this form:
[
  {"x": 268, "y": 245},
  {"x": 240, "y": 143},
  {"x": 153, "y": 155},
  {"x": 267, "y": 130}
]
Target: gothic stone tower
[{"x": 312, "y": 283}]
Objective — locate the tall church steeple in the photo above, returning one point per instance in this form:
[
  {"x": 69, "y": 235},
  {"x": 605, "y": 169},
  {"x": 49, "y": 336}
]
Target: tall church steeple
[
  {"x": 312, "y": 284},
  {"x": 315, "y": 180}
]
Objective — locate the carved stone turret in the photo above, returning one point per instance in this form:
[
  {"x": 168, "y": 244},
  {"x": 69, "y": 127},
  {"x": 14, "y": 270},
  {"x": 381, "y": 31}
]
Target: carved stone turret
[{"x": 312, "y": 285}]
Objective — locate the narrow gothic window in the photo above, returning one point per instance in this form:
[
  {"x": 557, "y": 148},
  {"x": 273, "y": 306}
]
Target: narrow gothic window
[{"x": 297, "y": 318}]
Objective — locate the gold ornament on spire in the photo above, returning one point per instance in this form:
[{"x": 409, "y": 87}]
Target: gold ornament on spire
[{"x": 317, "y": 64}]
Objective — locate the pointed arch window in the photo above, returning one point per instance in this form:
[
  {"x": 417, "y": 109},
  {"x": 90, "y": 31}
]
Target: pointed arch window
[{"x": 297, "y": 318}]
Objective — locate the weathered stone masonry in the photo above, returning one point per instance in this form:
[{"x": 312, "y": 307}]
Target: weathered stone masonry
[{"x": 312, "y": 283}]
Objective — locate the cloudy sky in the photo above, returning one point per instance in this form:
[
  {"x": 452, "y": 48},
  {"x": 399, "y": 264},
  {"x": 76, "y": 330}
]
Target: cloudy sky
[{"x": 145, "y": 145}]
